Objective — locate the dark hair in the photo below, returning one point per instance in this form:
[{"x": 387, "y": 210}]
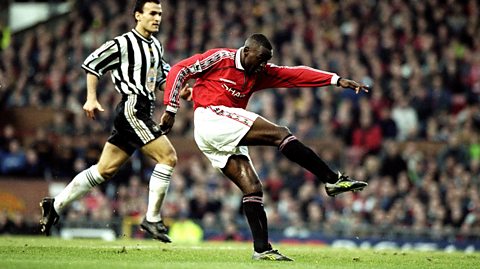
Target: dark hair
[
  {"x": 140, "y": 3},
  {"x": 261, "y": 40}
]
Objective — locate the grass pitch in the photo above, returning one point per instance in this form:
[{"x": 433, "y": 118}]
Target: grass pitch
[{"x": 41, "y": 252}]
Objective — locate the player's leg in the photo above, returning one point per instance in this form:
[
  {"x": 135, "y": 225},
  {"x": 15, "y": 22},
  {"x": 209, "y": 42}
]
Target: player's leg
[
  {"x": 264, "y": 132},
  {"x": 111, "y": 159},
  {"x": 163, "y": 153},
  {"x": 239, "y": 169}
]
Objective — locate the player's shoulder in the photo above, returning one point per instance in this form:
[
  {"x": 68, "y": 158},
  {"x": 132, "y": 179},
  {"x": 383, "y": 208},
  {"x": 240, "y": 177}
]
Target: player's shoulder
[
  {"x": 224, "y": 53},
  {"x": 227, "y": 50},
  {"x": 272, "y": 66},
  {"x": 133, "y": 35},
  {"x": 126, "y": 34},
  {"x": 123, "y": 37}
]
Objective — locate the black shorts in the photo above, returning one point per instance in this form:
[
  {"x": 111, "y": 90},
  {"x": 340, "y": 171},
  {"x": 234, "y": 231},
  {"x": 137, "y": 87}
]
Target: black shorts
[{"x": 133, "y": 126}]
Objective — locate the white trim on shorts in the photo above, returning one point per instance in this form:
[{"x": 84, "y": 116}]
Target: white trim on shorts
[
  {"x": 219, "y": 129},
  {"x": 139, "y": 126}
]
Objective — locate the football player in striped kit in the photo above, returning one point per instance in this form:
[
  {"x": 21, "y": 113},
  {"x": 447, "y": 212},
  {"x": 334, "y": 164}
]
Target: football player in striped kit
[{"x": 137, "y": 67}]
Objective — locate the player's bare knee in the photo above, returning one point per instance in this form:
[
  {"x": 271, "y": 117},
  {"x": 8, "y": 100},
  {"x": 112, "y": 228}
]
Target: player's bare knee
[
  {"x": 252, "y": 187},
  {"x": 282, "y": 132},
  {"x": 257, "y": 185},
  {"x": 106, "y": 171},
  {"x": 169, "y": 159},
  {"x": 251, "y": 184}
]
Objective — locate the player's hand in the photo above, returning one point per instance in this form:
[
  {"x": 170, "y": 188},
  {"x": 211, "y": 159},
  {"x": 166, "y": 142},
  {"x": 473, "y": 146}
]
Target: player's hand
[
  {"x": 186, "y": 92},
  {"x": 90, "y": 107},
  {"x": 166, "y": 122},
  {"x": 357, "y": 87}
]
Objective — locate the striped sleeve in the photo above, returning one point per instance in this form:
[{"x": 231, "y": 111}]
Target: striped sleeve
[
  {"x": 105, "y": 58},
  {"x": 190, "y": 68},
  {"x": 164, "y": 67},
  {"x": 163, "y": 72}
]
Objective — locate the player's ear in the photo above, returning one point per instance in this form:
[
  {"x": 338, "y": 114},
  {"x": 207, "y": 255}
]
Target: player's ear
[{"x": 137, "y": 15}]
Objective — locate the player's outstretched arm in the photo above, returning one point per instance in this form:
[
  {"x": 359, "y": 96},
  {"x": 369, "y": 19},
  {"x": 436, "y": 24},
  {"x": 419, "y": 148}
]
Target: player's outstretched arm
[{"x": 348, "y": 83}]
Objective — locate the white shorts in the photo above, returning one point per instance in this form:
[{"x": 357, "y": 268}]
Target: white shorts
[{"x": 219, "y": 129}]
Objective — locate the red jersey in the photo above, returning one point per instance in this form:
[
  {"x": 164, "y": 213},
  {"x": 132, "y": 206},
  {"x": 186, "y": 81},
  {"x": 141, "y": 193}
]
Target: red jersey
[{"x": 222, "y": 80}]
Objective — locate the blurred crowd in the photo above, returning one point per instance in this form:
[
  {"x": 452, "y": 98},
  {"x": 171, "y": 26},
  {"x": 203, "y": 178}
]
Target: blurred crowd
[{"x": 415, "y": 137}]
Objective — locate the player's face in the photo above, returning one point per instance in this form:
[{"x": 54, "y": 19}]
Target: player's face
[
  {"x": 149, "y": 20},
  {"x": 256, "y": 58}
]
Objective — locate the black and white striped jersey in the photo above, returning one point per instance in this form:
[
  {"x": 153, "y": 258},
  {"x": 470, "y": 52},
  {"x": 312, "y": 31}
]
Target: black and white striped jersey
[{"x": 137, "y": 64}]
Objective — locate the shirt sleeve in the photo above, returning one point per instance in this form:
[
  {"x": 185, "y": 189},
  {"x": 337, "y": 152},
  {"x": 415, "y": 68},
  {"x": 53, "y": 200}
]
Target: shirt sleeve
[
  {"x": 296, "y": 76},
  {"x": 105, "y": 58},
  {"x": 162, "y": 72},
  {"x": 184, "y": 70}
]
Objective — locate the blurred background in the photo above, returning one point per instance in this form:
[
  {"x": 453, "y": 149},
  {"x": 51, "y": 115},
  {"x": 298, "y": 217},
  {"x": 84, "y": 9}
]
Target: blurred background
[{"x": 415, "y": 137}]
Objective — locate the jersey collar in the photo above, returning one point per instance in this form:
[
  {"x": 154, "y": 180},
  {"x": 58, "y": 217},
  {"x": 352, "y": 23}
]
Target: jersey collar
[
  {"x": 149, "y": 40},
  {"x": 238, "y": 63}
]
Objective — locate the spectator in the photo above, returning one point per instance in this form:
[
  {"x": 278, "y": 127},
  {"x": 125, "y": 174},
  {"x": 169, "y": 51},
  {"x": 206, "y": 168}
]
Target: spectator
[
  {"x": 231, "y": 233},
  {"x": 392, "y": 163},
  {"x": 368, "y": 136},
  {"x": 454, "y": 149},
  {"x": 13, "y": 161},
  {"x": 405, "y": 118},
  {"x": 33, "y": 167},
  {"x": 6, "y": 224},
  {"x": 274, "y": 183},
  {"x": 387, "y": 124},
  {"x": 8, "y": 134}
]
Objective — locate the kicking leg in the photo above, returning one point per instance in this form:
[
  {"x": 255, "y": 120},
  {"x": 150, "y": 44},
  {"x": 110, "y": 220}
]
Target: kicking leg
[{"x": 264, "y": 132}]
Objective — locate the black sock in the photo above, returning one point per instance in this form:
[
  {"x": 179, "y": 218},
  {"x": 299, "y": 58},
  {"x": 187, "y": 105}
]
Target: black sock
[
  {"x": 297, "y": 152},
  {"x": 257, "y": 220}
]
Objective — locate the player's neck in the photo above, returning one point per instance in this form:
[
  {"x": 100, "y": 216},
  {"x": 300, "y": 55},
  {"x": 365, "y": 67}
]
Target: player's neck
[{"x": 146, "y": 34}]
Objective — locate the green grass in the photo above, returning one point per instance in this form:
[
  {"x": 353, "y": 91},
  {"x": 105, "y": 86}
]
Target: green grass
[{"x": 40, "y": 252}]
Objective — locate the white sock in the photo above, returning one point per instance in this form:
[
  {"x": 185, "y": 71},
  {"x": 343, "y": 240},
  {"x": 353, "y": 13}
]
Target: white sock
[
  {"x": 78, "y": 187},
  {"x": 158, "y": 186}
]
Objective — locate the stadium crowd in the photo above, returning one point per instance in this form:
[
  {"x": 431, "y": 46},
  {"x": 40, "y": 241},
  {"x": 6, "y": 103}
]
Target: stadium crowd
[{"x": 415, "y": 138}]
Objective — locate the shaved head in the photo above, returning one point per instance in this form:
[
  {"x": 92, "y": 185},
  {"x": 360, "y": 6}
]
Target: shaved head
[
  {"x": 259, "y": 40},
  {"x": 256, "y": 53}
]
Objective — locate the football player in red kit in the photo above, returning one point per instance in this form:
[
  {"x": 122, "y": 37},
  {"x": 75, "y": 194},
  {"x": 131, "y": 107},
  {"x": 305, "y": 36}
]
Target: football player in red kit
[{"x": 223, "y": 129}]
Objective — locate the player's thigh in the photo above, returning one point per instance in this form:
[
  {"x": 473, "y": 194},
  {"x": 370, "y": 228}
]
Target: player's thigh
[
  {"x": 265, "y": 132},
  {"x": 111, "y": 159},
  {"x": 239, "y": 170},
  {"x": 161, "y": 150}
]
